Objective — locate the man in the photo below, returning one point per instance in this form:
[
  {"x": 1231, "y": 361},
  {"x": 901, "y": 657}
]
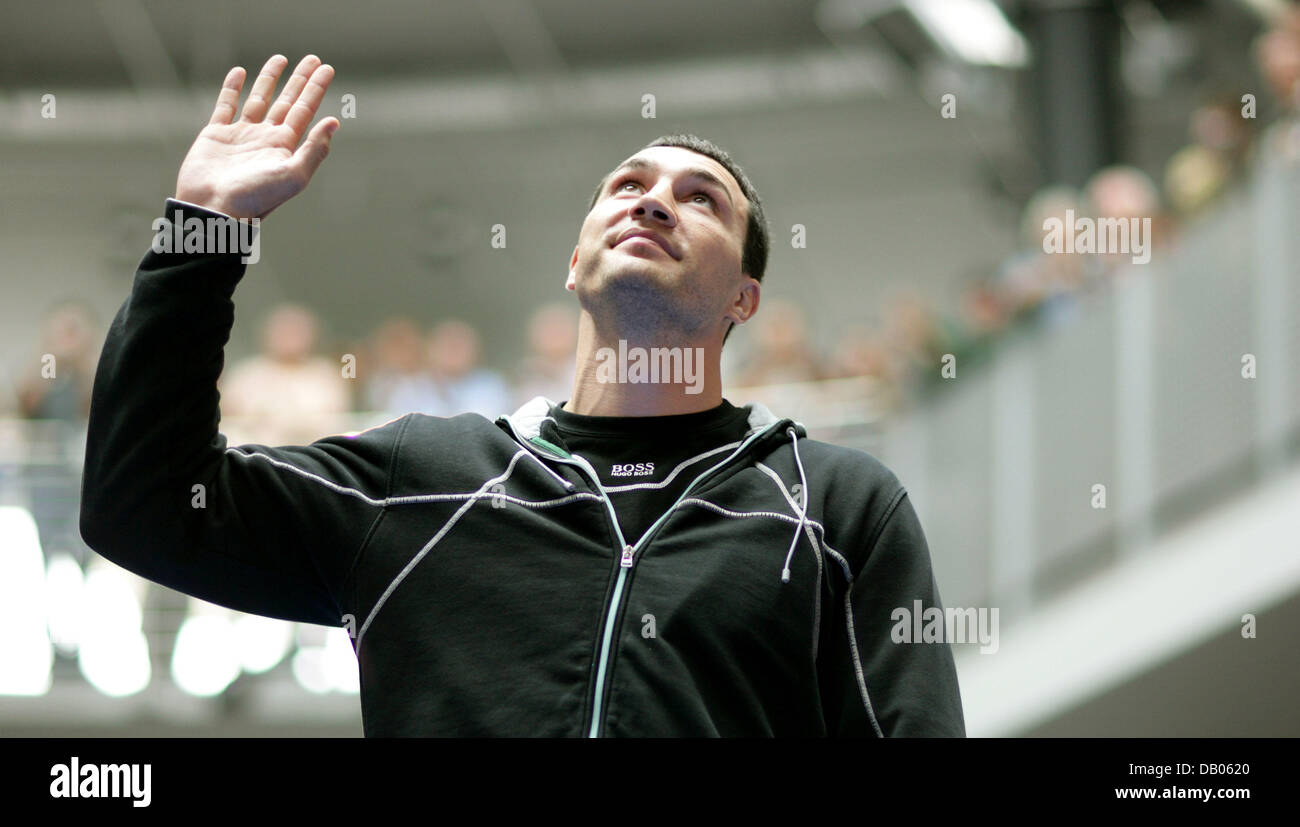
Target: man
[{"x": 645, "y": 559}]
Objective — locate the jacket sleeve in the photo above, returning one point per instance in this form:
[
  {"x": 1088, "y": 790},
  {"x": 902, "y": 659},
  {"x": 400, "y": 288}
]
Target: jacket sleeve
[
  {"x": 270, "y": 531},
  {"x": 882, "y": 686}
]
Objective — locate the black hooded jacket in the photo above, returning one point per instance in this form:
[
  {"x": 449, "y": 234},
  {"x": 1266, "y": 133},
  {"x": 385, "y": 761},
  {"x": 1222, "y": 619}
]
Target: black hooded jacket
[{"x": 480, "y": 568}]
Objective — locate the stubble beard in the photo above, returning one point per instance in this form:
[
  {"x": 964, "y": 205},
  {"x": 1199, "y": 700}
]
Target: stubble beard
[{"x": 643, "y": 304}]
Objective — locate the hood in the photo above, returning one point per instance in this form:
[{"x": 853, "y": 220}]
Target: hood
[
  {"x": 533, "y": 423},
  {"x": 534, "y": 427}
]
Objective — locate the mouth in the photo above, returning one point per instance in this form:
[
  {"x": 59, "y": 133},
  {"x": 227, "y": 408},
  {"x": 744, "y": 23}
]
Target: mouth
[{"x": 645, "y": 238}]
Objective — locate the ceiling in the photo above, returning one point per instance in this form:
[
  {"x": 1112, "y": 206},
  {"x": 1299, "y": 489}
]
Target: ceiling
[{"x": 161, "y": 42}]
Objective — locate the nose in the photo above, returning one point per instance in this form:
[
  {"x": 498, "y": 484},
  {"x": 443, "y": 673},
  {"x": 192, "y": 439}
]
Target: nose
[{"x": 654, "y": 205}]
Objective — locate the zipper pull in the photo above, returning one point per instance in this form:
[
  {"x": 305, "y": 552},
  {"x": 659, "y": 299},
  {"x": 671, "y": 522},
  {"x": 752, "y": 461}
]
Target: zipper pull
[{"x": 626, "y": 562}]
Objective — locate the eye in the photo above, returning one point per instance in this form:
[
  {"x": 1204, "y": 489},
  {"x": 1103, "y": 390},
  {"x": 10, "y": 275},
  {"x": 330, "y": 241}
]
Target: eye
[
  {"x": 708, "y": 198},
  {"x": 623, "y": 183}
]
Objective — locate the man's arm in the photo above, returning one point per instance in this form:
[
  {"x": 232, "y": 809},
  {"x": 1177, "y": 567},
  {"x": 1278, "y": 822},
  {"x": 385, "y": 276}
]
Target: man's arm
[
  {"x": 274, "y": 531},
  {"x": 880, "y": 687}
]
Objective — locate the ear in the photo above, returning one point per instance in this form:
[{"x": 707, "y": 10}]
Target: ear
[
  {"x": 572, "y": 283},
  {"x": 745, "y": 303}
]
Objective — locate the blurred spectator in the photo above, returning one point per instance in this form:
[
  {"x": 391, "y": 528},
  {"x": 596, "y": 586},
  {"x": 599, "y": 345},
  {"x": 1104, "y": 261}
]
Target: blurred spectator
[
  {"x": 1219, "y": 126},
  {"x": 400, "y": 379},
  {"x": 69, "y": 335},
  {"x": 287, "y": 395},
  {"x": 861, "y": 352},
  {"x": 1194, "y": 178},
  {"x": 983, "y": 318},
  {"x": 1121, "y": 191},
  {"x": 1277, "y": 53},
  {"x": 781, "y": 352},
  {"x": 1034, "y": 284},
  {"x": 1200, "y": 172},
  {"x": 916, "y": 335},
  {"x": 56, "y": 392},
  {"x": 1126, "y": 192},
  {"x": 549, "y": 367},
  {"x": 461, "y": 386}
]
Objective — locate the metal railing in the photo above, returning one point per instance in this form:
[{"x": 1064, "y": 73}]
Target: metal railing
[{"x": 1173, "y": 388}]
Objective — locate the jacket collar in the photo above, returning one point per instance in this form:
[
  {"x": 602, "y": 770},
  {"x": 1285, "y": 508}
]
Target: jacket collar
[{"x": 533, "y": 420}]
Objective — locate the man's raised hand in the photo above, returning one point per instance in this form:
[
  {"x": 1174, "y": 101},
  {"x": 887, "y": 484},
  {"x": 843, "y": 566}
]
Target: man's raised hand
[{"x": 248, "y": 167}]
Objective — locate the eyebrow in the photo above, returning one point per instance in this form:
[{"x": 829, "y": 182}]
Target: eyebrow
[{"x": 641, "y": 164}]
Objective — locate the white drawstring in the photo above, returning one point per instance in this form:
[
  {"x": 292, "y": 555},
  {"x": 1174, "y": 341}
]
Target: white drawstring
[{"x": 802, "y": 509}]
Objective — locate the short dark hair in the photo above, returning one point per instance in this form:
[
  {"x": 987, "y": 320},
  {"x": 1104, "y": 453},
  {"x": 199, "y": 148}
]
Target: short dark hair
[{"x": 754, "y": 258}]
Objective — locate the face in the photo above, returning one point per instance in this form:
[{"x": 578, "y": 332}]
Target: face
[
  {"x": 663, "y": 245},
  {"x": 290, "y": 334},
  {"x": 68, "y": 332},
  {"x": 453, "y": 349}
]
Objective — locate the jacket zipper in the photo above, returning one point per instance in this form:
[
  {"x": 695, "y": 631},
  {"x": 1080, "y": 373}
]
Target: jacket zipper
[
  {"x": 627, "y": 553},
  {"x": 628, "y": 560}
]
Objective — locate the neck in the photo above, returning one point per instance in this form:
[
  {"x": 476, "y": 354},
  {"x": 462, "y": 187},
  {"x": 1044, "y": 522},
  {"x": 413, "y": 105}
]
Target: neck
[{"x": 630, "y": 373}]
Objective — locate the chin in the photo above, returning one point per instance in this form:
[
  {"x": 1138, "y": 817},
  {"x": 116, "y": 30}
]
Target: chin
[
  {"x": 647, "y": 295},
  {"x": 636, "y": 276}
]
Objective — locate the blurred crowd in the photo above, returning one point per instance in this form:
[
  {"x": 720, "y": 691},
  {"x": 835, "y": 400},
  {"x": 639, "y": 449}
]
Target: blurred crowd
[
  {"x": 291, "y": 392},
  {"x": 903, "y": 345},
  {"x": 296, "y": 393}
]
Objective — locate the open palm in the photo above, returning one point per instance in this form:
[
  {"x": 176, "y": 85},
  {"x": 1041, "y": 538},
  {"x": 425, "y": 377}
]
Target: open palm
[{"x": 248, "y": 167}]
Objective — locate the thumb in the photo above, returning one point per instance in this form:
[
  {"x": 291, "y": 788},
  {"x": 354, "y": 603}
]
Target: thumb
[{"x": 312, "y": 151}]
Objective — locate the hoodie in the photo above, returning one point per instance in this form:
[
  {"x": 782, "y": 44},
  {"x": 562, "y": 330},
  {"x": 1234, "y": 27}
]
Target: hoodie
[{"x": 480, "y": 568}]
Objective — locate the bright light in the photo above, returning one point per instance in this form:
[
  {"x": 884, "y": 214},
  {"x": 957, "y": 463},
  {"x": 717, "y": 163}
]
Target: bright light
[
  {"x": 64, "y": 583},
  {"x": 331, "y": 667},
  {"x": 309, "y": 669},
  {"x": 262, "y": 642},
  {"x": 25, "y": 651},
  {"x": 975, "y": 31},
  {"x": 112, "y": 651},
  {"x": 206, "y": 658},
  {"x": 115, "y": 664},
  {"x": 341, "y": 662}
]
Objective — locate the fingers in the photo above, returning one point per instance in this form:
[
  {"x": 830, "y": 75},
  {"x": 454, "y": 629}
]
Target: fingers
[
  {"x": 292, "y": 89},
  {"x": 259, "y": 99},
  {"x": 304, "y": 108},
  {"x": 309, "y": 155},
  {"x": 228, "y": 98}
]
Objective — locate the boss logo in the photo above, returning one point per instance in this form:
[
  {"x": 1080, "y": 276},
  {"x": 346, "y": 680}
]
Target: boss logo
[{"x": 633, "y": 469}]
